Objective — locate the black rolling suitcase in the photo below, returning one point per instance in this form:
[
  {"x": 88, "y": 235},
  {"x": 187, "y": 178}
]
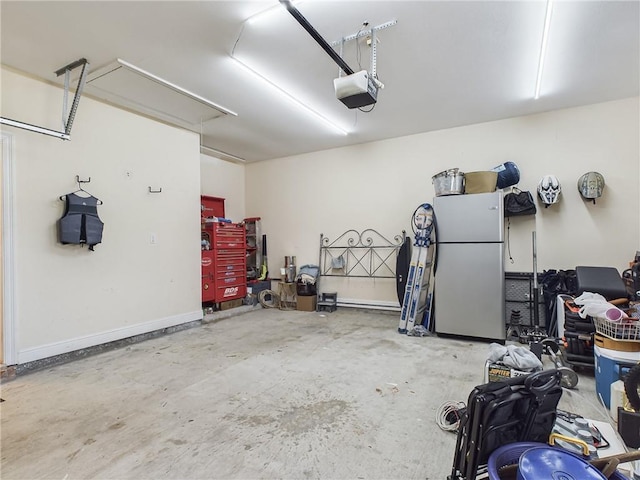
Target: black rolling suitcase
[{"x": 521, "y": 409}]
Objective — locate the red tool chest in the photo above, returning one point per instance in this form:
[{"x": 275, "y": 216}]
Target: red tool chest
[{"x": 224, "y": 263}]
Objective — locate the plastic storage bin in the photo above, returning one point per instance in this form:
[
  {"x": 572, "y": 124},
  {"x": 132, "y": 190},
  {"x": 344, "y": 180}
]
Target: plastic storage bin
[{"x": 510, "y": 455}]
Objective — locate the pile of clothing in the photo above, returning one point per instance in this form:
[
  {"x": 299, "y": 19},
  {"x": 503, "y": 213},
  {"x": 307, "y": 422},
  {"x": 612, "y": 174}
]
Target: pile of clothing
[
  {"x": 520, "y": 358},
  {"x": 306, "y": 280}
]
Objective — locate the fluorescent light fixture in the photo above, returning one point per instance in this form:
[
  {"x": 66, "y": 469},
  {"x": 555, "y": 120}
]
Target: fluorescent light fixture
[
  {"x": 294, "y": 100},
  {"x": 267, "y": 11},
  {"x": 220, "y": 154},
  {"x": 302, "y": 106},
  {"x": 543, "y": 47}
]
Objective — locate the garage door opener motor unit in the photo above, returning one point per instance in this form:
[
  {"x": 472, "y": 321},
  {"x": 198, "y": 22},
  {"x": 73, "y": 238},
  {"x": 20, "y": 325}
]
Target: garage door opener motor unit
[{"x": 354, "y": 89}]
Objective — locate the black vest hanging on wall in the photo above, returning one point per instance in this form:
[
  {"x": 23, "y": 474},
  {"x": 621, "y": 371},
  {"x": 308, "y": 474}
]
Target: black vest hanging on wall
[{"x": 80, "y": 223}]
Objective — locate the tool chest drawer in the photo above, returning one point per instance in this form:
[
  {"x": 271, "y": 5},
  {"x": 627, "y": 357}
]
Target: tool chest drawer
[
  {"x": 230, "y": 271},
  {"x": 229, "y": 257},
  {"x": 214, "y": 262},
  {"x": 228, "y": 235},
  {"x": 229, "y": 278},
  {"x": 237, "y": 273}
]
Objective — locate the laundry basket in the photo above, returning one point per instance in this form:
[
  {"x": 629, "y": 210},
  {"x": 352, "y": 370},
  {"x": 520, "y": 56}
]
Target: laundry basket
[{"x": 628, "y": 330}]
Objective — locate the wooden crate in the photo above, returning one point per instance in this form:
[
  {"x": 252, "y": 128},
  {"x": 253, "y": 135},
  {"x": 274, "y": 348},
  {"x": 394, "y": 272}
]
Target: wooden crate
[{"x": 231, "y": 304}]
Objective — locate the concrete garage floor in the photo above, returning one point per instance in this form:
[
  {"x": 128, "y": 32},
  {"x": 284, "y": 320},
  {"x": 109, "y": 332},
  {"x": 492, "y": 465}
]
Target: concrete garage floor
[{"x": 268, "y": 394}]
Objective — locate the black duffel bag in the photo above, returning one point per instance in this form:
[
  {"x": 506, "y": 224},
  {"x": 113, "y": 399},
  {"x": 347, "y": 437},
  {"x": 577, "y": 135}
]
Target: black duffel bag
[{"x": 519, "y": 202}]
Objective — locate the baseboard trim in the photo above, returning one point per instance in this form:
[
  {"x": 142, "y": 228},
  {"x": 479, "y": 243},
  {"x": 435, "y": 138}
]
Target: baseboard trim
[
  {"x": 371, "y": 304},
  {"x": 59, "y": 348}
]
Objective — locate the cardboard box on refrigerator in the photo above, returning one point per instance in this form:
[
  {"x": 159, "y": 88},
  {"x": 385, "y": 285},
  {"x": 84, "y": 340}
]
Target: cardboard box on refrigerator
[{"x": 306, "y": 303}]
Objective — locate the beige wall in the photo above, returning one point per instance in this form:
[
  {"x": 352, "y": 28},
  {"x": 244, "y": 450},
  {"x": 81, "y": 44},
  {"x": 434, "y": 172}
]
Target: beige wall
[
  {"x": 220, "y": 178},
  {"x": 378, "y": 185},
  {"x": 67, "y": 296}
]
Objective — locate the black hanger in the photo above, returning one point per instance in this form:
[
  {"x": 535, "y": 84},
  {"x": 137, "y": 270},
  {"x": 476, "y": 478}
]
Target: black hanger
[{"x": 80, "y": 189}]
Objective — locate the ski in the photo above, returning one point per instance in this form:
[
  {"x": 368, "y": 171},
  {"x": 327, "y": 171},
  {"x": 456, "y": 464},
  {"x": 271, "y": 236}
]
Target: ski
[
  {"x": 406, "y": 302},
  {"x": 414, "y": 302},
  {"x": 420, "y": 289}
]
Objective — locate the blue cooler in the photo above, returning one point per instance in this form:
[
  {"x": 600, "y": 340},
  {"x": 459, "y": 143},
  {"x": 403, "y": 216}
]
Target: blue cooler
[{"x": 611, "y": 366}]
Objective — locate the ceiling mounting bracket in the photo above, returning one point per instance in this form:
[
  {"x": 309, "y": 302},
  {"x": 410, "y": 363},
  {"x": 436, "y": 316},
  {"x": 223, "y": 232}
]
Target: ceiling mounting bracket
[
  {"x": 67, "y": 120},
  {"x": 371, "y": 32}
]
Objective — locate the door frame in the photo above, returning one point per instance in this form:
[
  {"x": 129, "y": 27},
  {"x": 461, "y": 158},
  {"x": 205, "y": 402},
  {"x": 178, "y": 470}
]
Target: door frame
[{"x": 8, "y": 250}]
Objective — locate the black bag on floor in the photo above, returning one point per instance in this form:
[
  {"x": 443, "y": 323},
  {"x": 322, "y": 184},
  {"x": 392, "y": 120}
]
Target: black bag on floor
[
  {"x": 521, "y": 409},
  {"x": 554, "y": 283}
]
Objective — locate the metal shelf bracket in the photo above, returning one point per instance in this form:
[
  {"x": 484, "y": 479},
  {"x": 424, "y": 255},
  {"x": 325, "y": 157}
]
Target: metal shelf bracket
[{"x": 67, "y": 119}]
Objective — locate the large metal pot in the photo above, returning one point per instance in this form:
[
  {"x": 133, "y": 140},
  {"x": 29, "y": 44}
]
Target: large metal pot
[{"x": 449, "y": 182}]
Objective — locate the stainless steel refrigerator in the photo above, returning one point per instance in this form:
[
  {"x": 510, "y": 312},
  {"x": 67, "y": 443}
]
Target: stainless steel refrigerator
[{"x": 469, "y": 277}]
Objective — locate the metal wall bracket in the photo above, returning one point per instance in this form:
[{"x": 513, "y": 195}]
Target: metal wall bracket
[{"x": 67, "y": 120}]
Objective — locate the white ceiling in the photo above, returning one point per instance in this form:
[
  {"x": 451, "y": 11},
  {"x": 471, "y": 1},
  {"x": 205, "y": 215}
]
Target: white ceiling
[{"x": 445, "y": 63}]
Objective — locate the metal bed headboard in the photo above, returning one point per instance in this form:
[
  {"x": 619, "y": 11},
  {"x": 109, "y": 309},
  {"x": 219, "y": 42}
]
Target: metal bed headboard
[{"x": 354, "y": 254}]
